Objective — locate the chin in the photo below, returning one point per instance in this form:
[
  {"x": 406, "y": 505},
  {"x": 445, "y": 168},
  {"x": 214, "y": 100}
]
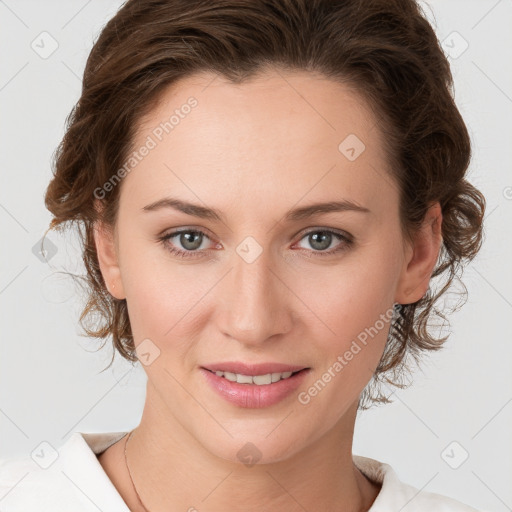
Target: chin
[{"x": 249, "y": 450}]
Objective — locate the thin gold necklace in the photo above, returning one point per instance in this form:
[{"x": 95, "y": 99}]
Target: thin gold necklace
[{"x": 131, "y": 479}]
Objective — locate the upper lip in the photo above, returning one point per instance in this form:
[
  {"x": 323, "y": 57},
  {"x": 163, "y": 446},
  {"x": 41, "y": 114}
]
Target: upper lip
[{"x": 253, "y": 369}]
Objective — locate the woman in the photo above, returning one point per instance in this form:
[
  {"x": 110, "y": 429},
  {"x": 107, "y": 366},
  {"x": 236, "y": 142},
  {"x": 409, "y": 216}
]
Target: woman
[{"x": 265, "y": 191}]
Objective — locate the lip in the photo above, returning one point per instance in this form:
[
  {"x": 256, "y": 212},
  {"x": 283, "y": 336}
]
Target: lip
[
  {"x": 252, "y": 369},
  {"x": 254, "y": 396}
]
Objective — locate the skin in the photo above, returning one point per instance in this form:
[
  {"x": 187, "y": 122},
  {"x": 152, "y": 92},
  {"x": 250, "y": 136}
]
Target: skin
[{"x": 254, "y": 151}]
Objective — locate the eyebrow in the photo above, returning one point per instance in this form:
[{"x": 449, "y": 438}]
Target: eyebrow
[{"x": 296, "y": 214}]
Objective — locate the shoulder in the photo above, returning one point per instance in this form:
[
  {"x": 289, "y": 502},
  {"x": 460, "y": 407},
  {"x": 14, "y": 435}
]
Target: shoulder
[
  {"x": 419, "y": 500},
  {"x": 70, "y": 478},
  {"x": 398, "y": 495},
  {"x": 26, "y": 486}
]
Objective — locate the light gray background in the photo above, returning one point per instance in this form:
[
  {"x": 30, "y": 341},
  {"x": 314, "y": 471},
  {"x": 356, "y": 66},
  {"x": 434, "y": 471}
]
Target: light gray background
[{"x": 50, "y": 380}]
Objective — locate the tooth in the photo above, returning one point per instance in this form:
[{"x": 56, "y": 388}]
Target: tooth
[
  {"x": 262, "y": 379},
  {"x": 259, "y": 380},
  {"x": 243, "y": 379}
]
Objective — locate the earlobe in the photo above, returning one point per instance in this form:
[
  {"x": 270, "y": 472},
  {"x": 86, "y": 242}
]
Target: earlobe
[
  {"x": 108, "y": 260},
  {"x": 422, "y": 258}
]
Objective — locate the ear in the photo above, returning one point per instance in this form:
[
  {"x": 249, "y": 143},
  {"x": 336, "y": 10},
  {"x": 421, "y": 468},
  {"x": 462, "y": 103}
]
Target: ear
[
  {"x": 421, "y": 258},
  {"x": 106, "y": 250}
]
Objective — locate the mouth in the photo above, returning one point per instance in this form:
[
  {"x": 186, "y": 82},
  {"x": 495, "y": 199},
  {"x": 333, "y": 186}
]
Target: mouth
[
  {"x": 259, "y": 380},
  {"x": 255, "y": 386}
]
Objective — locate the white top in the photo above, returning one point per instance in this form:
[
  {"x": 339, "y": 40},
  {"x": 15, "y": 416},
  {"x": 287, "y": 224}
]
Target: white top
[{"x": 71, "y": 479}]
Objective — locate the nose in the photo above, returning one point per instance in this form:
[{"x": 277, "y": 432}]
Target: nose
[{"x": 257, "y": 303}]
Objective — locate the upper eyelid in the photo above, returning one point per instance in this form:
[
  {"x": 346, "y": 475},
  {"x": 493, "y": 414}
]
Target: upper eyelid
[
  {"x": 339, "y": 232},
  {"x": 301, "y": 234}
]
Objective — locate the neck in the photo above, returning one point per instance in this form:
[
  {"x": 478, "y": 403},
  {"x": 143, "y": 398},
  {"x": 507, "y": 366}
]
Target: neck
[{"x": 169, "y": 467}]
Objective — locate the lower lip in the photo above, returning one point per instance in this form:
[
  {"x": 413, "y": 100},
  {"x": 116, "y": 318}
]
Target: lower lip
[{"x": 251, "y": 395}]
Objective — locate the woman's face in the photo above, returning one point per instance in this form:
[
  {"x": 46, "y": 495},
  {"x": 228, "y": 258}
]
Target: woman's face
[{"x": 267, "y": 278}]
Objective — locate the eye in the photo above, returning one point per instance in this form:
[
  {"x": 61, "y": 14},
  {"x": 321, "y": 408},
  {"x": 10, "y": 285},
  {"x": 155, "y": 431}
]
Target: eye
[
  {"x": 321, "y": 239},
  {"x": 192, "y": 242},
  {"x": 190, "y": 239}
]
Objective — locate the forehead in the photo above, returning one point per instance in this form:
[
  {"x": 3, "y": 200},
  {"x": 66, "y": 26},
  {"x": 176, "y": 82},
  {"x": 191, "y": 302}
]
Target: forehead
[
  {"x": 281, "y": 135},
  {"x": 288, "y": 104}
]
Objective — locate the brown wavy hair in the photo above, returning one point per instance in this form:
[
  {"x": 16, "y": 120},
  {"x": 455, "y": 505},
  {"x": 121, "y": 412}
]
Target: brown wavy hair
[{"x": 385, "y": 49}]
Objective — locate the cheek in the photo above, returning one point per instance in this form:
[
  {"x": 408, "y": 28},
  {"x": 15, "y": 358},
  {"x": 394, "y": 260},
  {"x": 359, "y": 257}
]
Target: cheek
[
  {"x": 158, "y": 292},
  {"x": 355, "y": 307},
  {"x": 168, "y": 300},
  {"x": 352, "y": 304}
]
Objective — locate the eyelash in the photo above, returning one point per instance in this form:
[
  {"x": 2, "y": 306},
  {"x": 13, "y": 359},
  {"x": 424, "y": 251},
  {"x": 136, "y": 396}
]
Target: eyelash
[{"x": 347, "y": 243}]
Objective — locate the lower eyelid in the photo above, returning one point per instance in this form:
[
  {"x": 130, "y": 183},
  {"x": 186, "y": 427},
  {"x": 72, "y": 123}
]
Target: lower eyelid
[
  {"x": 338, "y": 236},
  {"x": 168, "y": 237},
  {"x": 344, "y": 240}
]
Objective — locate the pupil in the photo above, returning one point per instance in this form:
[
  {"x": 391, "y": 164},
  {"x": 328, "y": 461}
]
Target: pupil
[
  {"x": 186, "y": 238},
  {"x": 325, "y": 240}
]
